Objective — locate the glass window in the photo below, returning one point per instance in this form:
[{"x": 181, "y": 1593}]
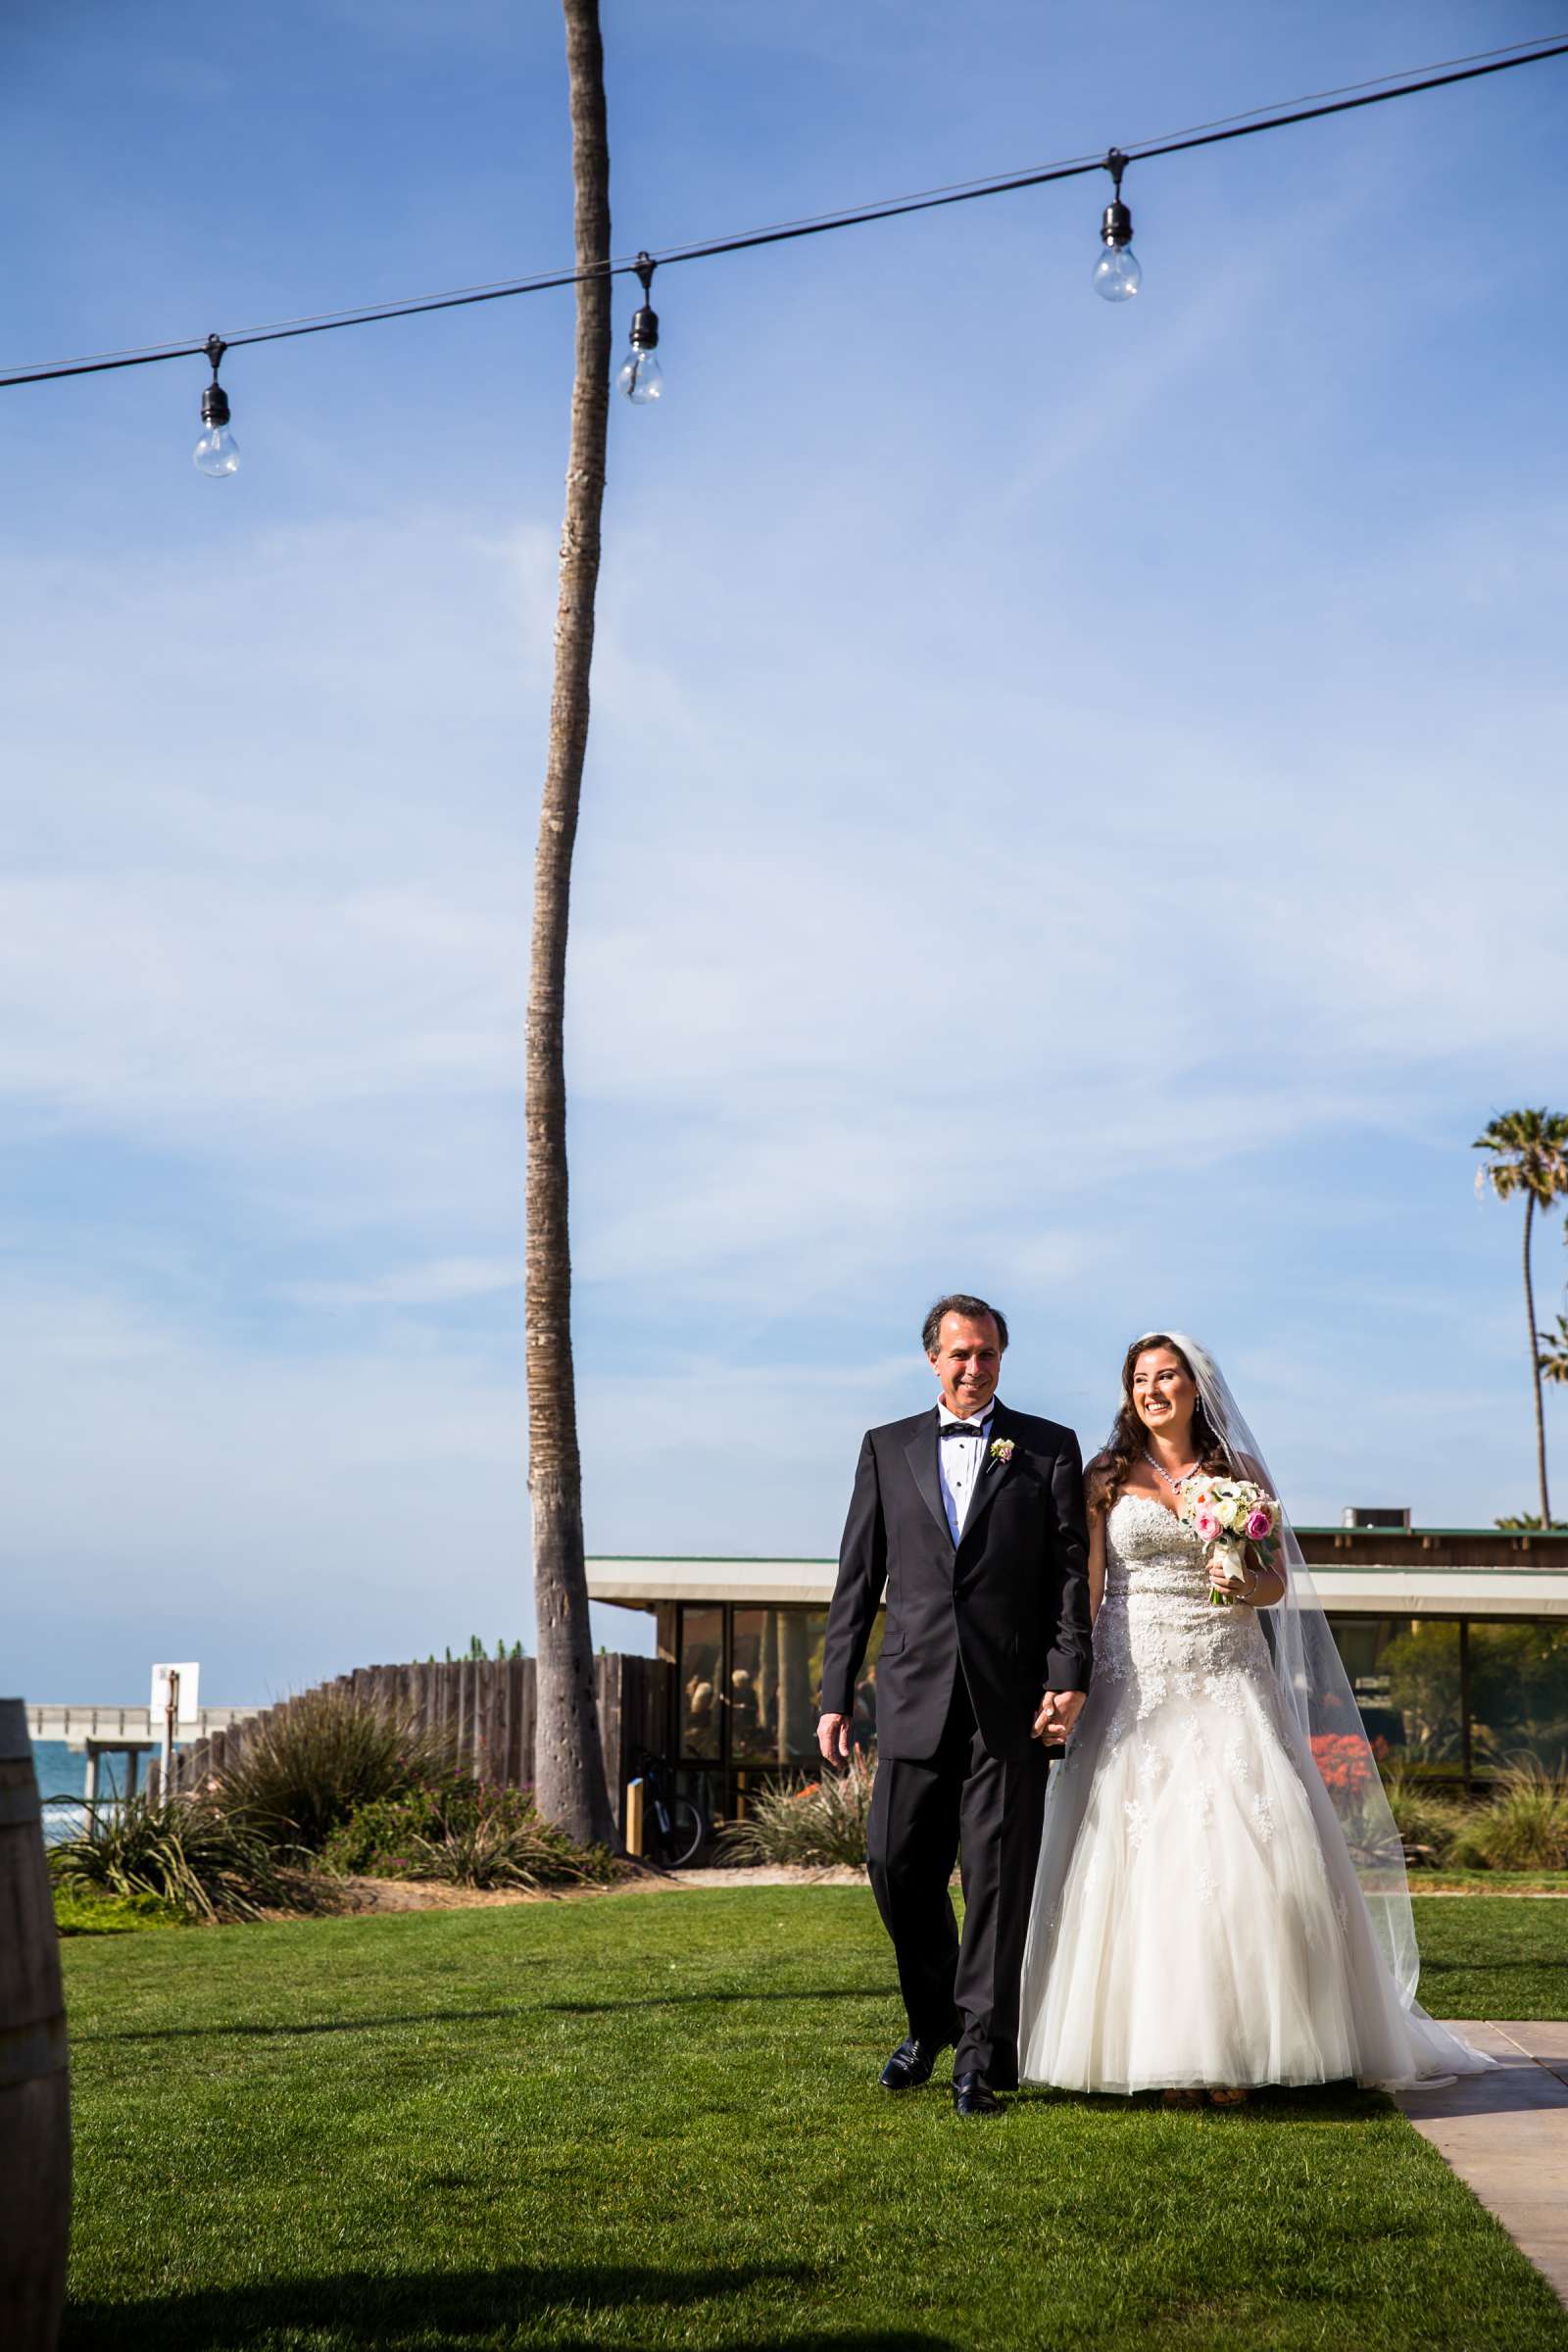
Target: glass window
[
  {"x": 1423, "y": 1675},
  {"x": 1364, "y": 1645},
  {"x": 1519, "y": 1694},
  {"x": 776, "y": 1685},
  {"x": 700, "y": 1673},
  {"x": 761, "y": 1708},
  {"x": 1409, "y": 1676}
]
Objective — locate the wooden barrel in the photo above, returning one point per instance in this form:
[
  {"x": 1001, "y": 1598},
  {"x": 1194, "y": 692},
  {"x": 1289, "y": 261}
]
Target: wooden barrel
[{"x": 34, "y": 2088}]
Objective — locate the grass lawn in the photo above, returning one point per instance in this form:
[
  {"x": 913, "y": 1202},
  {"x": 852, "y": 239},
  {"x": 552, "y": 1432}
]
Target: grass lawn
[
  {"x": 1493, "y": 1957},
  {"x": 651, "y": 2120}
]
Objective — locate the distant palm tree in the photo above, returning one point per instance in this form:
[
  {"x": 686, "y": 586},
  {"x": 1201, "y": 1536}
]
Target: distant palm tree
[
  {"x": 1526, "y": 1152},
  {"x": 1554, "y": 1358}
]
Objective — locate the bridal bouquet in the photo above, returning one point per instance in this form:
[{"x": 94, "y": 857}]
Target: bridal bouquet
[{"x": 1228, "y": 1513}]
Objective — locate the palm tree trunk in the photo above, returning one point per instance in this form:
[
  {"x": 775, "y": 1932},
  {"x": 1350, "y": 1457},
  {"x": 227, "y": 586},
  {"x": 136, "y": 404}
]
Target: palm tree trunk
[
  {"x": 1535, "y": 1366},
  {"x": 568, "y": 1758}
]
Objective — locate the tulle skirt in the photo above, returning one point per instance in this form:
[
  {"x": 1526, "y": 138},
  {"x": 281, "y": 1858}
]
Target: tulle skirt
[{"x": 1197, "y": 1920}]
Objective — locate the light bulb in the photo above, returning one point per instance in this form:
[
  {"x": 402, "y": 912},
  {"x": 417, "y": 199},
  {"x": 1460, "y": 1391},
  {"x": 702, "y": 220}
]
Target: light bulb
[
  {"x": 640, "y": 376},
  {"x": 1117, "y": 275},
  {"x": 216, "y": 452}
]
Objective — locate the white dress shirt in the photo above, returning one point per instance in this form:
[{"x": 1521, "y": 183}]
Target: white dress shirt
[{"x": 959, "y": 1461}]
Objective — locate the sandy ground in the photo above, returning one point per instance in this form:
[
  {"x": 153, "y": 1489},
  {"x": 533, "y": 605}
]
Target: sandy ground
[{"x": 410, "y": 1895}]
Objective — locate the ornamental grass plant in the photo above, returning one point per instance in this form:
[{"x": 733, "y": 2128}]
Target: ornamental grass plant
[
  {"x": 1522, "y": 1825},
  {"x": 310, "y": 1765},
  {"x": 815, "y": 1824},
  {"x": 467, "y": 1836},
  {"x": 190, "y": 1854},
  {"x": 1429, "y": 1822}
]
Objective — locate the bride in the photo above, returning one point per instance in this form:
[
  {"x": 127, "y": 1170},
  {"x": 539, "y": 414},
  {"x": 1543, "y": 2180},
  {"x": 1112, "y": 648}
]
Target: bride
[{"x": 1209, "y": 1914}]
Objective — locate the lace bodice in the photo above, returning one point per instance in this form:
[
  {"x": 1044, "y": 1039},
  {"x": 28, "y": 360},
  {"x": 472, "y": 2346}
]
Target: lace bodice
[
  {"x": 1148, "y": 1550},
  {"x": 1157, "y": 1633}
]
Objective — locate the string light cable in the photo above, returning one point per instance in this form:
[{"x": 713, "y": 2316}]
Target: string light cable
[{"x": 1116, "y": 274}]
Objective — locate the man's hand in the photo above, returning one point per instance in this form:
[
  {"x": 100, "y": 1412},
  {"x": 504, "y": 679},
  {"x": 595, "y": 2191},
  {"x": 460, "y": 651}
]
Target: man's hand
[
  {"x": 833, "y": 1739},
  {"x": 1058, "y": 1712}
]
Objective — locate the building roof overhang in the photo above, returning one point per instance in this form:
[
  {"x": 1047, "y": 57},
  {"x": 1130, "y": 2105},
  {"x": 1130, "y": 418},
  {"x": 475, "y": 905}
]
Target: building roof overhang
[{"x": 1370, "y": 1588}]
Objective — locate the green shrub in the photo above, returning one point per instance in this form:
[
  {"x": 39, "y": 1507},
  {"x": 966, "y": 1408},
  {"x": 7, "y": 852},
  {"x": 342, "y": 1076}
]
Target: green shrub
[
  {"x": 188, "y": 1853},
  {"x": 1428, "y": 1822},
  {"x": 378, "y": 1840},
  {"x": 467, "y": 1836},
  {"x": 1522, "y": 1825},
  {"x": 81, "y": 1910},
  {"x": 816, "y": 1823},
  {"x": 312, "y": 1762}
]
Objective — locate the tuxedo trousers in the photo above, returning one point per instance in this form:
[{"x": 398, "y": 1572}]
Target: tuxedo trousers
[{"x": 986, "y": 1812}]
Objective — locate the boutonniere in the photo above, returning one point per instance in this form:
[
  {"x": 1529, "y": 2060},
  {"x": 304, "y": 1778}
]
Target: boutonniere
[{"x": 1001, "y": 1450}]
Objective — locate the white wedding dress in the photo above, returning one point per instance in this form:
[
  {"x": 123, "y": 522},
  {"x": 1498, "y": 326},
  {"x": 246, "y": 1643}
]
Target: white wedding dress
[{"x": 1198, "y": 1919}]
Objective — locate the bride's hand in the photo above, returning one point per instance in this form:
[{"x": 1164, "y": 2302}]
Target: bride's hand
[
  {"x": 1239, "y": 1587},
  {"x": 1058, "y": 1712}
]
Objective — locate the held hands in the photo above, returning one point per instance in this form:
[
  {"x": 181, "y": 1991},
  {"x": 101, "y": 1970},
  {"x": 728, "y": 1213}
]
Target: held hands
[
  {"x": 1058, "y": 1712},
  {"x": 833, "y": 1739}
]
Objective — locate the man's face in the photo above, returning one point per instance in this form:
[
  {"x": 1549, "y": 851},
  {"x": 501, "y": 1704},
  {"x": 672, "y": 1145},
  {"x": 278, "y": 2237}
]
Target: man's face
[{"x": 967, "y": 1362}]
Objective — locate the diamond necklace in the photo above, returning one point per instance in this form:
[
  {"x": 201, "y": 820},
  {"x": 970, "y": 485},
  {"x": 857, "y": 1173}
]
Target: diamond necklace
[{"x": 1172, "y": 1483}]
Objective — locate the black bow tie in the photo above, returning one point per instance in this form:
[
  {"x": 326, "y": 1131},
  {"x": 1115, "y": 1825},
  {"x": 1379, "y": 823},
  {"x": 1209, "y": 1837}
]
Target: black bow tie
[{"x": 962, "y": 1429}]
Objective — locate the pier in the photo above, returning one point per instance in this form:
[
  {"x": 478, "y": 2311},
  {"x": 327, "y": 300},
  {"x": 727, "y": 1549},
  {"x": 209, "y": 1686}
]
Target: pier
[{"x": 128, "y": 1732}]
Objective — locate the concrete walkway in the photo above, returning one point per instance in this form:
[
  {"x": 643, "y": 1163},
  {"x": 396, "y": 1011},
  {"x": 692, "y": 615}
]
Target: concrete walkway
[{"x": 1506, "y": 2135}]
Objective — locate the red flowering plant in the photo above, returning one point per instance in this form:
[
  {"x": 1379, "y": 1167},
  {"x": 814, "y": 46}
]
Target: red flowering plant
[{"x": 1344, "y": 1762}]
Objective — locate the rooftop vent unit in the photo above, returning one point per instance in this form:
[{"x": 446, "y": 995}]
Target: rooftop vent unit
[{"x": 1354, "y": 1516}]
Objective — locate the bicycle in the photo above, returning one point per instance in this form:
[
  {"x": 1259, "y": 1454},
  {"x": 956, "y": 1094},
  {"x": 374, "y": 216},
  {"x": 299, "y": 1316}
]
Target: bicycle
[{"x": 674, "y": 1827}]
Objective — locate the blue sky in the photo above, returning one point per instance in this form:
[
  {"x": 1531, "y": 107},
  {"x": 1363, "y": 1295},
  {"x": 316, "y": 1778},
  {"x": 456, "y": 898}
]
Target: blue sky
[{"x": 1074, "y": 806}]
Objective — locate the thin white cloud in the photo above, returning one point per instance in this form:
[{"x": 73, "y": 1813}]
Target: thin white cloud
[{"x": 440, "y": 1284}]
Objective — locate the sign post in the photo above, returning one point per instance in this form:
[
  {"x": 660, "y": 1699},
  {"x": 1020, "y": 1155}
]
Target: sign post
[{"x": 172, "y": 1710}]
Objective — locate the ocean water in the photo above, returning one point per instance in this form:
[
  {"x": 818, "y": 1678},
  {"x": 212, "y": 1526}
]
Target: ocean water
[{"x": 61, "y": 1772}]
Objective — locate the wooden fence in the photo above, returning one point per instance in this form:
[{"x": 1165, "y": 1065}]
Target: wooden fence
[{"x": 486, "y": 1707}]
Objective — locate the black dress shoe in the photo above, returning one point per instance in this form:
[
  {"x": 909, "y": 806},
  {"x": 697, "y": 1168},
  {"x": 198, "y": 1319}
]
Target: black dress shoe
[
  {"x": 909, "y": 2065},
  {"x": 972, "y": 2094}
]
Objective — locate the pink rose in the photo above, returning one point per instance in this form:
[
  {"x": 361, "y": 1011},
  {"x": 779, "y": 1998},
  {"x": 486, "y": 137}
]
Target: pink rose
[
  {"x": 1257, "y": 1527},
  {"x": 1207, "y": 1526}
]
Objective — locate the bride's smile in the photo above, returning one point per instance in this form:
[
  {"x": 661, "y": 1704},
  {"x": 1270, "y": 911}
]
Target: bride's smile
[{"x": 1164, "y": 1391}]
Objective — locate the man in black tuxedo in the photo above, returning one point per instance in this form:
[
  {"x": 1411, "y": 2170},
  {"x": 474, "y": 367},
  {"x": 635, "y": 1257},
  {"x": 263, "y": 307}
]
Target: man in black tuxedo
[{"x": 973, "y": 1518}]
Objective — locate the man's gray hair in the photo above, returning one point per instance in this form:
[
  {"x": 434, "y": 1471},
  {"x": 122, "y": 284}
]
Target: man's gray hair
[{"x": 959, "y": 1302}]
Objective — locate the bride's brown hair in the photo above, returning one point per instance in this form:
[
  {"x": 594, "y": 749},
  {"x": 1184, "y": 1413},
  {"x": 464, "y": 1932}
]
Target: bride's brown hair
[{"x": 1128, "y": 1441}]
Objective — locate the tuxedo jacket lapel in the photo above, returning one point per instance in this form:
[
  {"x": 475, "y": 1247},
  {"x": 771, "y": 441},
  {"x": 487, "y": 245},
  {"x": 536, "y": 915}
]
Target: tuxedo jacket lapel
[
  {"x": 993, "y": 1473},
  {"x": 921, "y": 1455}
]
